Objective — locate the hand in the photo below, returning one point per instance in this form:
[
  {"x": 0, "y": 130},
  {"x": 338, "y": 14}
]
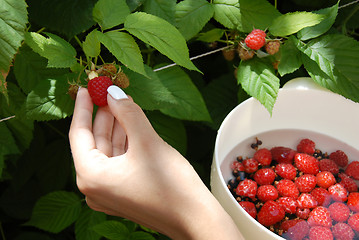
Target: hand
[{"x": 125, "y": 169}]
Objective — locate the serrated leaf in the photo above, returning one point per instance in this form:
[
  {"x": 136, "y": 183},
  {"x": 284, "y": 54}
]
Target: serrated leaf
[
  {"x": 58, "y": 52},
  {"x": 194, "y": 13},
  {"x": 134, "y": 4},
  {"x": 138, "y": 235},
  {"x": 161, "y": 8},
  {"x": 259, "y": 81},
  {"x": 211, "y": 36},
  {"x": 257, "y": 14},
  {"x": 92, "y": 45},
  {"x": 55, "y": 211},
  {"x": 293, "y": 22},
  {"x": 113, "y": 230},
  {"x": 110, "y": 13},
  {"x": 319, "y": 29},
  {"x": 290, "y": 59},
  {"x": 86, "y": 221},
  {"x": 189, "y": 101},
  {"x": 124, "y": 48},
  {"x": 228, "y": 13},
  {"x": 7, "y": 144},
  {"x": 161, "y": 35}
]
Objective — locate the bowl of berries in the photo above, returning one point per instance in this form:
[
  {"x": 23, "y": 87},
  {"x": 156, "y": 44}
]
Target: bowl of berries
[{"x": 293, "y": 174}]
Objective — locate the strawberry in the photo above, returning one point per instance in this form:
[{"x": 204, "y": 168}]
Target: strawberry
[
  {"x": 340, "y": 158},
  {"x": 325, "y": 179},
  {"x": 289, "y": 204},
  {"x": 306, "y": 183},
  {"x": 353, "y": 201},
  {"x": 287, "y": 188},
  {"x": 306, "y": 163},
  {"x": 348, "y": 182},
  {"x": 322, "y": 196},
  {"x": 306, "y": 146},
  {"x": 272, "y": 47},
  {"x": 343, "y": 231},
  {"x": 338, "y": 193},
  {"x": 320, "y": 233},
  {"x": 328, "y": 165},
  {"x": 352, "y": 170},
  {"x": 256, "y": 39},
  {"x": 320, "y": 216},
  {"x": 250, "y": 165},
  {"x": 286, "y": 170},
  {"x": 266, "y": 193},
  {"x": 263, "y": 156},
  {"x": 249, "y": 207},
  {"x": 353, "y": 221},
  {"x": 306, "y": 200},
  {"x": 283, "y": 154},
  {"x": 247, "y": 188},
  {"x": 97, "y": 88},
  {"x": 339, "y": 211},
  {"x": 270, "y": 213},
  {"x": 295, "y": 229},
  {"x": 264, "y": 176}
]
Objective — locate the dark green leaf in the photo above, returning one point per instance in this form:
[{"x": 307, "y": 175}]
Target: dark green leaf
[
  {"x": 161, "y": 8},
  {"x": 92, "y": 45},
  {"x": 87, "y": 220},
  {"x": 32, "y": 236},
  {"x": 110, "y": 13},
  {"x": 113, "y": 230},
  {"x": 228, "y": 13},
  {"x": 141, "y": 236},
  {"x": 7, "y": 144},
  {"x": 290, "y": 59},
  {"x": 134, "y": 4},
  {"x": 211, "y": 36}
]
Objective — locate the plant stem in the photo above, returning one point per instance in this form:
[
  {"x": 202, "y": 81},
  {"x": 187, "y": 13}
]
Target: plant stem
[
  {"x": 2, "y": 232},
  {"x": 78, "y": 41},
  {"x": 275, "y": 3},
  {"x": 344, "y": 28}
]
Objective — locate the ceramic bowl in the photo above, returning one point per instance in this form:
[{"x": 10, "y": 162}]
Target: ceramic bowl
[{"x": 303, "y": 110}]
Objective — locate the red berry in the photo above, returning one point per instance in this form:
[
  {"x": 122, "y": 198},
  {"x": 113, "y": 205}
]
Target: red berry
[
  {"x": 295, "y": 229},
  {"x": 306, "y": 146},
  {"x": 263, "y": 156},
  {"x": 249, "y": 207},
  {"x": 306, "y": 183},
  {"x": 97, "y": 88},
  {"x": 328, "y": 165},
  {"x": 340, "y": 158},
  {"x": 250, "y": 165},
  {"x": 270, "y": 213},
  {"x": 343, "y": 231},
  {"x": 264, "y": 176},
  {"x": 287, "y": 188},
  {"x": 237, "y": 166},
  {"x": 286, "y": 170},
  {"x": 256, "y": 39},
  {"x": 348, "y": 183},
  {"x": 353, "y": 221},
  {"x": 352, "y": 170},
  {"x": 306, "y": 163},
  {"x": 283, "y": 154},
  {"x": 302, "y": 213},
  {"x": 353, "y": 201},
  {"x": 322, "y": 196},
  {"x": 338, "y": 193},
  {"x": 247, "y": 188},
  {"x": 320, "y": 216},
  {"x": 339, "y": 211},
  {"x": 289, "y": 204},
  {"x": 306, "y": 200},
  {"x": 266, "y": 193},
  {"x": 320, "y": 233},
  {"x": 325, "y": 179}
]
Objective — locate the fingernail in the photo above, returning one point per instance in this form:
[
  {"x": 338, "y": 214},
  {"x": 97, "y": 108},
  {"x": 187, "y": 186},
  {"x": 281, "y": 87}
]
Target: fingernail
[{"x": 116, "y": 92}]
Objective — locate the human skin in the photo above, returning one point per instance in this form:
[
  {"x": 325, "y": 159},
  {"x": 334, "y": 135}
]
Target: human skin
[{"x": 125, "y": 169}]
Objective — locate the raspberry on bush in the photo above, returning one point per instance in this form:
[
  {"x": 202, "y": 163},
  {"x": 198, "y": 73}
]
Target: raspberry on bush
[{"x": 256, "y": 39}]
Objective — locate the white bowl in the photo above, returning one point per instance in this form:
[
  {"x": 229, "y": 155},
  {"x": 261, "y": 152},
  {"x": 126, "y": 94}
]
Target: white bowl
[{"x": 303, "y": 110}]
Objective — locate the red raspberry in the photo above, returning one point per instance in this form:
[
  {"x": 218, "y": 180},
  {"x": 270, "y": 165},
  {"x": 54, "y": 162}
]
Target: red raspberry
[
  {"x": 283, "y": 154},
  {"x": 348, "y": 183},
  {"x": 322, "y": 196},
  {"x": 266, "y": 193},
  {"x": 249, "y": 207},
  {"x": 302, "y": 213},
  {"x": 286, "y": 170},
  {"x": 353, "y": 201},
  {"x": 343, "y": 231},
  {"x": 250, "y": 165},
  {"x": 306, "y": 146},
  {"x": 289, "y": 204},
  {"x": 339, "y": 211},
  {"x": 306, "y": 183},
  {"x": 340, "y": 158},
  {"x": 295, "y": 229},
  {"x": 320, "y": 233},
  {"x": 306, "y": 163},
  {"x": 325, "y": 179},
  {"x": 263, "y": 156},
  {"x": 264, "y": 176},
  {"x": 97, "y": 88},
  {"x": 328, "y": 165},
  {"x": 247, "y": 188},
  {"x": 245, "y": 54},
  {"x": 256, "y": 39},
  {"x": 306, "y": 200},
  {"x": 287, "y": 188},
  {"x": 320, "y": 216},
  {"x": 353, "y": 221},
  {"x": 270, "y": 213},
  {"x": 237, "y": 166},
  {"x": 352, "y": 170},
  {"x": 272, "y": 47},
  {"x": 338, "y": 193}
]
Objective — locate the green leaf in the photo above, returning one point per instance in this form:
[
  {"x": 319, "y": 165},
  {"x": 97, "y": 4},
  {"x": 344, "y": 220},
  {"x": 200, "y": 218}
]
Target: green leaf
[
  {"x": 293, "y": 22},
  {"x": 3, "y": 84},
  {"x": 13, "y": 19},
  {"x": 87, "y": 220},
  {"x": 228, "y": 13},
  {"x": 138, "y": 235},
  {"x": 189, "y": 101},
  {"x": 55, "y": 211},
  {"x": 92, "y": 45},
  {"x": 113, "y": 230},
  {"x": 49, "y": 100},
  {"x": 290, "y": 59},
  {"x": 7, "y": 144},
  {"x": 59, "y": 53},
  {"x": 319, "y": 29},
  {"x": 110, "y": 13},
  {"x": 32, "y": 236},
  {"x": 124, "y": 48},
  {"x": 259, "y": 81},
  {"x": 211, "y": 36},
  {"x": 194, "y": 13},
  {"x": 257, "y": 14},
  {"x": 161, "y": 8},
  {"x": 134, "y": 4},
  {"x": 161, "y": 35}
]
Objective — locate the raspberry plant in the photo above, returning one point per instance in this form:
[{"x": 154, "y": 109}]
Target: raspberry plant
[{"x": 46, "y": 46}]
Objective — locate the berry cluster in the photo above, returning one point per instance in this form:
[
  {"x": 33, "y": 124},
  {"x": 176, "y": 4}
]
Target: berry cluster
[{"x": 299, "y": 193}]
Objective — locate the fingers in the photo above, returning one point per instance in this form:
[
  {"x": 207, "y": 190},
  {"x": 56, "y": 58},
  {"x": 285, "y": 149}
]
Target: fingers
[
  {"x": 119, "y": 140},
  {"x": 102, "y": 130}
]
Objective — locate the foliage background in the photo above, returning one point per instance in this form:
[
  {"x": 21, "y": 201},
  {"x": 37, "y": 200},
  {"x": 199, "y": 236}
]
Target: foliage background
[{"x": 47, "y": 44}]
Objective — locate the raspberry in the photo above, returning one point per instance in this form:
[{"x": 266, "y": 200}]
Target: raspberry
[
  {"x": 237, "y": 166},
  {"x": 320, "y": 216},
  {"x": 97, "y": 88},
  {"x": 352, "y": 170},
  {"x": 272, "y": 47},
  {"x": 343, "y": 231},
  {"x": 302, "y": 213},
  {"x": 286, "y": 170},
  {"x": 353, "y": 221},
  {"x": 289, "y": 204},
  {"x": 353, "y": 201},
  {"x": 250, "y": 165},
  {"x": 328, "y": 165},
  {"x": 306, "y": 163},
  {"x": 256, "y": 39},
  {"x": 108, "y": 69},
  {"x": 270, "y": 213},
  {"x": 287, "y": 188},
  {"x": 249, "y": 207},
  {"x": 320, "y": 233},
  {"x": 306, "y": 146},
  {"x": 325, "y": 179},
  {"x": 247, "y": 188},
  {"x": 306, "y": 183},
  {"x": 339, "y": 211},
  {"x": 264, "y": 176},
  {"x": 266, "y": 193},
  {"x": 283, "y": 154},
  {"x": 72, "y": 91},
  {"x": 322, "y": 196},
  {"x": 229, "y": 54},
  {"x": 339, "y": 157},
  {"x": 338, "y": 193},
  {"x": 245, "y": 54},
  {"x": 263, "y": 156},
  {"x": 295, "y": 229},
  {"x": 348, "y": 183},
  {"x": 306, "y": 200},
  {"x": 121, "y": 80}
]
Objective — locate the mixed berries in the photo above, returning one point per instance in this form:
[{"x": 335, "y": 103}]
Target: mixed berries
[{"x": 299, "y": 193}]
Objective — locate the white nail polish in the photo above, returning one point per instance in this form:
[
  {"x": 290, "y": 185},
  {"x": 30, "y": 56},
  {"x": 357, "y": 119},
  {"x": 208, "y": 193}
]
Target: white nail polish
[{"x": 116, "y": 92}]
